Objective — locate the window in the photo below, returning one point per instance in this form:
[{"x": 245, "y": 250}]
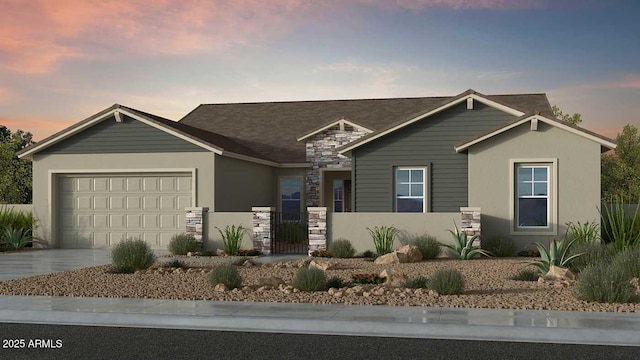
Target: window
[
  {"x": 410, "y": 189},
  {"x": 533, "y": 195},
  {"x": 290, "y": 199},
  {"x": 338, "y": 196}
]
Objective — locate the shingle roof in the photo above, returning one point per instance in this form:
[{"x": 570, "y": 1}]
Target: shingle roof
[{"x": 271, "y": 128}]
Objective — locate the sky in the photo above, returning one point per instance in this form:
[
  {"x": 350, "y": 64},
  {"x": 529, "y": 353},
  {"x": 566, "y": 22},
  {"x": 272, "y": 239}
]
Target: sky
[{"x": 63, "y": 61}]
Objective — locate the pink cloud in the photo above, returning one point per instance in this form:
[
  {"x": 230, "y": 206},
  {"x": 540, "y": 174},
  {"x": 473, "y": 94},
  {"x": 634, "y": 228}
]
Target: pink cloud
[{"x": 39, "y": 127}]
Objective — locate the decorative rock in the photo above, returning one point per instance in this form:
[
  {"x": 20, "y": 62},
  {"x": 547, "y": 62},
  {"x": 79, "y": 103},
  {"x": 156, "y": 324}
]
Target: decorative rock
[
  {"x": 271, "y": 281},
  {"x": 559, "y": 273},
  {"x": 189, "y": 254},
  {"x": 221, "y": 252},
  {"x": 433, "y": 293},
  {"x": 391, "y": 258},
  {"x": 378, "y": 291},
  {"x": 409, "y": 254},
  {"x": 248, "y": 263},
  {"x": 221, "y": 288},
  {"x": 322, "y": 265},
  {"x": 393, "y": 278}
]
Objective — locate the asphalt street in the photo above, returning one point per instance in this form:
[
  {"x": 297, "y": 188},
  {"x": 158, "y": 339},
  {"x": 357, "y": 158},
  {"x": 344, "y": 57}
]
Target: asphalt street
[{"x": 35, "y": 341}]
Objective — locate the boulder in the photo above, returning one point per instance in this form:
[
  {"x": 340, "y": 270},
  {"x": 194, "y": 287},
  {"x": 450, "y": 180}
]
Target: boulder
[
  {"x": 391, "y": 258},
  {"x": 409, "y": 254},
  {"x": 220, "y": 288},
  {"x": 559, "y": 273},
  {"x": 220, "y": 252},
  {"x": 393, "y": 278},
  {"x": 322, "y": 265},
  {"x": 248, "y": 263},
  {"x": 271, "y": 282}
]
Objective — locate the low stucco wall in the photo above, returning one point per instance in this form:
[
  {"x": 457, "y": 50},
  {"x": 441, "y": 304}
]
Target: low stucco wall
[
  {"x": 353, "y": 226},
  {"x": 212, "y": 237}
]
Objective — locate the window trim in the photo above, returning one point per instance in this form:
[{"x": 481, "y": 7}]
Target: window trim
[
  {"x": 425, "y": 187},
  {"x": 300, "y": 178},
  {"x": 552, "y": 203}
]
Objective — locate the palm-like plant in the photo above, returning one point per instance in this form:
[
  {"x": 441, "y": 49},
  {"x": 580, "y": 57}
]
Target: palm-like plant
[
  {"x": 556, "y": 255},
  {"x": 462, "y": 247},
  {"x": 232, "y": 238},
  {"x": 383, "y": 238}
]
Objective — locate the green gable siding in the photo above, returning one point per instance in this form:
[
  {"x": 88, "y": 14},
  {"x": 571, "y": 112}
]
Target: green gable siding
[
  {"x": 130, "y": 136},
  {"x": 428, "y": 142}
]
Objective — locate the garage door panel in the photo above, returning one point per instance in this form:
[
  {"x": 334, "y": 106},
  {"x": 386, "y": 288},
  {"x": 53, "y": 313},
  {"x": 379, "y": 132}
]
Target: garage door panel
[
  {"x": 150, "y": 184},
  {"x": 134, "y": 221},
  {"x": 101, "y": 240},
  {"x": 116, "y": 237},
  {"x": 84, "y": 185},
  {"x": 151, "y": 238},
  {"x": 85, "y": 221},
  {"x": 84, "y": 203},
  {"x": 133, "y": 202},
  {"x": 101, "y": 203},
  {"x": 116, "y": 202},
  {"x": 165, "y": 238},
  {"x": 167, "y": 203},
  {"x": 167, "y": 184},
  {"x": 184, "y": 184},
  {"x": 101, "y": 184},
  {"x": 184, "y": 201},
  {"x": 116, "y": 184},
  {"x": 84, "y": 240},
  {"x": 134, "y": 184},
  {"x": 150, "y": 202},
  {"x": 150, "y": 221},
  {"x": 117, "y": 221},
  {"x": 167, "y": 221}
]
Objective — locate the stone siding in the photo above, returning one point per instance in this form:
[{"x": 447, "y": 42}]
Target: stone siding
[
  {"x": 262, "y": 223},
  {"x": 194, "y": 219},
  {"x": 317, "y": 228},
  {"x": 470, "y": 223}
]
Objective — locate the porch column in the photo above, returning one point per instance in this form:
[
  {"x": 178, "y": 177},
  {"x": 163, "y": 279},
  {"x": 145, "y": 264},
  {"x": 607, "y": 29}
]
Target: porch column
[
  {"x": 470, "y": 223},
  {"x": 262, "y": 228},
  {"x": 194, "y": 219},
  {"x": 317, "y": 228}
]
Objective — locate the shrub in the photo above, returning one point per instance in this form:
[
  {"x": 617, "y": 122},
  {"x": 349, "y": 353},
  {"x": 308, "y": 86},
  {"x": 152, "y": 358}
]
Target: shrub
[
  {"x": 428, "y": 246},
  {"x": 342, "y": 248},
  {"x": 232, "y": 238},
  {"x": 447, "y": 282},
  {"x": 588, "y": 232},
  {"x": 619, "y": 228},
  {"x": 592, "y": 253},
  {"x": 383, "y": 238},
  {"x": 175, "y": 264},
  {"x": 556, "y": 255},
  {"x": 604, "y": 283},
  {"x": 321, "y": 253},
  {"x": 226, "y": 274},
  {"x": 462, "y": 247},
  {"x": 336, "y": 282},
  {"x": 628, "y": 262},
  {"x": 368, "y": 278},
  {"x": 132, "y": 254},
  {"x": 526, "y": 275},
  {"x": 249, "y": 252},
  {"x": 12, "y": 218},
  {"x": 309, "y": 279},
  {"x": 529, "y": 253},
  {"x": 418, "y": 282},
  {"x": 181, "y": 244},
  {"x": 368, "y": 254},
  {"x": 15, "y": 238},
  {"x": 499, "y": 246},
  {"x": 208, "y": 253}
]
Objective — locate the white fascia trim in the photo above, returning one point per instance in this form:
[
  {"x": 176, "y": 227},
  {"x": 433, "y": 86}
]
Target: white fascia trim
[
  {"x": 341, "y": 123},
  {"x": 537, "y": 118},
  {"x": 481, "y": 99}
]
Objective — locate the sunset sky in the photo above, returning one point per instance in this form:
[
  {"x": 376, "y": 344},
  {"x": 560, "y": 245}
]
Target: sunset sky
[{"x": 62, "y": 61}]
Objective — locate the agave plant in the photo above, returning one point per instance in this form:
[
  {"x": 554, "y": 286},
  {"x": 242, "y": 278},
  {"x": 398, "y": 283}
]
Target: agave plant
[
  {"x": 556, "y": 255},
  {"x": 462, "y": 247},
  {"x": 15, "y": 238}
]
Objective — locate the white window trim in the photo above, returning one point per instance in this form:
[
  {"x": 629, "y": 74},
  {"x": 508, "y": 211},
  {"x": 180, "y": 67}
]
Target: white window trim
[
  {"x": 424, "y": 187},
  {"x": 302, "y": 190},
  {"x": 552, "y": 209}
]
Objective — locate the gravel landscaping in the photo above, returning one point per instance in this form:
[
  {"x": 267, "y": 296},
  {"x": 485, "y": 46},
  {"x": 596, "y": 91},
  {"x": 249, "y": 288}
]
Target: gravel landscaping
[{"x": 487, "y": 285}]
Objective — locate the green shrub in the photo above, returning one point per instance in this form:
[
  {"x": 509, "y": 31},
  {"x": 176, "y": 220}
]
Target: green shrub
[
  {"x": 175, "y": 264},
  {"x": 588, "y": 232},
  {"x": 367, "y": 278},
  {"x": 462, "y": 247},
  {"x": 132, "y": 254},
  {"x": 526, "y": 275},
  {"x": 226, "y": 274},
  {"x": 17, "y": 219},
  {"x": 499, "y": 246},
  {"x": 181, "y": 244},
  {"x": 232, "y": 238},
  {"x": 15, "y": 238},
  {"x": 428, "y": 246},
  {"x": 628, "y": 262},
  {"x": 309, "y": 279},
  {"x": 368, "y": 254},
  {"x": 336, "y": 282},
  {"x": 557, "y": 255},
  {"x": 620, "y": 228},
  {"x": 418, "y": 282},
  {"x": 341, "y": 248},
  {"x": 592, "y": 253},
  {"x": 383, "y": 238},
  {"x": 321, "y": 253},
  {"x": 604, "y": 283},
  {"x": 447, "y": 282}
]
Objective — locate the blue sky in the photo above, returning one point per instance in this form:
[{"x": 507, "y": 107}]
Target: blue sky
[{"x": 61, "y": 62}]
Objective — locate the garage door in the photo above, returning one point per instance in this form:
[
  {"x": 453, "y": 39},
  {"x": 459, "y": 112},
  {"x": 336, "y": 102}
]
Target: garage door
[{"x": 97, "y": 211}]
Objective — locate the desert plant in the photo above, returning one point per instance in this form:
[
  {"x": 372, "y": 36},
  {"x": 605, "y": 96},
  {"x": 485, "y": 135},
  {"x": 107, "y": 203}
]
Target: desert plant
[
  {"x": 232, "y": 238},
  {"x": 628, "y": 262},
  {"x": 428, "y": 246},
  {"x": 592, "y": 253},
  {"x": 462, "y": 247},
  {"x": 17, "y": 219},
  {"x": 418, "y": 282},
  {"x": 529, "y": 253},
  {"x": 556, "y": 255},
  {"x": 336, "y": 282},
  {"x": 226, "y": 274},
  {"x": 367, "y": 278},
  {"x": 132, "y": 254},
  {"x": 499, "y": 246},
  {"x": 309, "y": 279},
  {"x": 583, "y": 233},
  {"x": 383, "y": 238},
  {"x": 15, "y": 238},
  {"x": 368, "y": 254},
  {"x": 604, "y": 283},
  {"x": 175, "y": 264},
  {"x": 321, "y": 253},
  {"x": 249, "y": 252},
  {"x": 342, "y": 248},
  {"x": 447, "y": 282},
  {"x": 619, "y": 228},
  {"x": 526, "y": 275},
  {"x": 182, "y": 244}
]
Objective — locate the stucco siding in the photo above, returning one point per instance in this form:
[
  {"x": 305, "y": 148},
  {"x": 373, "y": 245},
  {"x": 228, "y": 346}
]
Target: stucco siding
[
  {"x": 129, "y": 136},
  {"x": 239, "y": 184},
  {"x": 429, "y": 143},
  {"x": 212, "y": 237},
  {"x": 47, "y": 167},
  {"x": 577, "y": 180}
]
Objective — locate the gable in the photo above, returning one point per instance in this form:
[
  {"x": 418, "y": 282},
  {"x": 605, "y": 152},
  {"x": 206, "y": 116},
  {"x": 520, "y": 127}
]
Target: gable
[{"x": 128, "y": 136}]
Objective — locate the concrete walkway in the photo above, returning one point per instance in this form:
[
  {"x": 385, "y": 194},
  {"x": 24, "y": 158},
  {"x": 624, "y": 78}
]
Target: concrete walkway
[{"x": 419, "y": 322}]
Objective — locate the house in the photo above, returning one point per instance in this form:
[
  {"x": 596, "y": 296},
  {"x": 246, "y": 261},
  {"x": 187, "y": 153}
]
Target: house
[{"x": 409, "y": 162}]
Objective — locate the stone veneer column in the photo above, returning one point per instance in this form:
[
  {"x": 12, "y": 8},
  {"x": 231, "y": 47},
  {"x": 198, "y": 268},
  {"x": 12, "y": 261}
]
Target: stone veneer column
[
  {"x": 317, "y": 228},
  {"x": 194, "y": 219},
  {"x": 262, "y": 228},
  {"x": 470, "y": 223}
]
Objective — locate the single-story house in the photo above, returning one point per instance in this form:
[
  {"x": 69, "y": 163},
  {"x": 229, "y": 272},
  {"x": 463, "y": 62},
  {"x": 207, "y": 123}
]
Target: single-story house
[{"x": 409, "y": 162}]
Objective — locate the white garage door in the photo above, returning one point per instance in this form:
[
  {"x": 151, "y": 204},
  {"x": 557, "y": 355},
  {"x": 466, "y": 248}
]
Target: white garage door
[{"x": 97, "y": 211}]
